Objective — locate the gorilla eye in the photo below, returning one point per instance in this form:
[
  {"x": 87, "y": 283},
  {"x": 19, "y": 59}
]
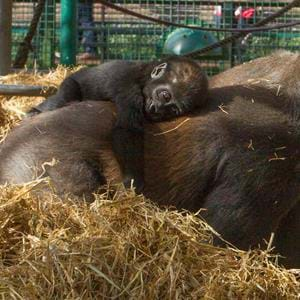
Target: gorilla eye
[{"x": 165, "y": 95}]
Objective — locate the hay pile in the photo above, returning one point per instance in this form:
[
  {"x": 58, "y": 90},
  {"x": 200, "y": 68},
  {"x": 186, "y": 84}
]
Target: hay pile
[{"x": 124, "y": 247}]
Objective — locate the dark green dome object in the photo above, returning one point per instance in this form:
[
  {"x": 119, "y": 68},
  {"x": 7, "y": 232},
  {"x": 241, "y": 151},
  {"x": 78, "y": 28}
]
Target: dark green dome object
[{"x": 184, "y": 40}]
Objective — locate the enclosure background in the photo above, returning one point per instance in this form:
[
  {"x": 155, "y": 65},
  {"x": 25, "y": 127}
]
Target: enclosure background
[{"x": 121, "y": 36}]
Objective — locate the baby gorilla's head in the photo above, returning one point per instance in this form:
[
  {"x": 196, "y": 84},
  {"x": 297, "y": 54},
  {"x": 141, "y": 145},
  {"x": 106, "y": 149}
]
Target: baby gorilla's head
[{"x": 176, "y": 86}]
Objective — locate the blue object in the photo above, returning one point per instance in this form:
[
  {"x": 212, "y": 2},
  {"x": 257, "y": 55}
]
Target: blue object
[{"x": 184, "y": 40}]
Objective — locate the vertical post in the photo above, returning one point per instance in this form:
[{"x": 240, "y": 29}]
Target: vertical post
[
  {"x": 5, "y": 36},
  {"x": 103, "y": 35},
  {"x": 68, "y": 32},
  {"x": 228, "y": 15}
]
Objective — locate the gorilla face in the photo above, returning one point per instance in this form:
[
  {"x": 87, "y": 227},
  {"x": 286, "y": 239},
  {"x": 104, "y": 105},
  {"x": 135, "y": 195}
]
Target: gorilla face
[
  {"x": 161, "y": 103},
  {"x": 176, "y": 87}
]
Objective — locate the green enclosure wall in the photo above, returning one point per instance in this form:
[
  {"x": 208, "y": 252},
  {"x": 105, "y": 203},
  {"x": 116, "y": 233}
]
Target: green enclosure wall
[{"x": 120, "y": 36}]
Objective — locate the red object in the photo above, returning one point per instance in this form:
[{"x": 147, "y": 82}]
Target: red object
[
  {"x": 248, "y": 13},
  {"x": 218, "y": 10}
]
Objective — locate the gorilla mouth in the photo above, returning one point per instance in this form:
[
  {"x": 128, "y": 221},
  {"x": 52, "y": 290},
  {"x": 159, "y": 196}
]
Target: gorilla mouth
[
  {"x": 157, "y": 112},
  {"x": 152, "y": 107},
  {"x": 174, "y": 109},
  {"x": 154, "y": 116}
]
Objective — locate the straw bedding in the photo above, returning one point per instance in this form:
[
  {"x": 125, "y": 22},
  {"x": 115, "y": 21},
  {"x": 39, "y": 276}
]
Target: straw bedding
[{"x": 118, "y": 247}]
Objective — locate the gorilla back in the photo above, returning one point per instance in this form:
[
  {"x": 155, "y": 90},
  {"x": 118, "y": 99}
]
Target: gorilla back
[
  {"x": 241, "y": 162},
  {"x": 279, "y": 72}
]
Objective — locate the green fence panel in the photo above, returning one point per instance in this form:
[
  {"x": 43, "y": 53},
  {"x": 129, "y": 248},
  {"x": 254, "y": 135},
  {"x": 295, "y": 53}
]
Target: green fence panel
[
  {"x": 110, "y": 34},
  {"x": 44, "y": 43}
]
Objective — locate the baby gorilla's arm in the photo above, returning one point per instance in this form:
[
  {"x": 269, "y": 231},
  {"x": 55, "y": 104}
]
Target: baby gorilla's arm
[
  {"x": 68, "y": 91},
  {"x": 128, "y": 138},
  {"x": 119, "y": 82}
]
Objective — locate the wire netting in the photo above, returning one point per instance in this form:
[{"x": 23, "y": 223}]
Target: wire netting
[
  {"x": 106, "y": 34},
  {"x": 45, "y": 40}
]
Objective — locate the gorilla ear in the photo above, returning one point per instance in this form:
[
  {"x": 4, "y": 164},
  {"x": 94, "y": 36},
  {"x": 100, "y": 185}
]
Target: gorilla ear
[{"x": 158, "y": 71}]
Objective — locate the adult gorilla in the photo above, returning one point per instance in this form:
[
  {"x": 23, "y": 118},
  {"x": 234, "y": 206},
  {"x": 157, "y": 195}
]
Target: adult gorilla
[{"x": 240, "y": 160}]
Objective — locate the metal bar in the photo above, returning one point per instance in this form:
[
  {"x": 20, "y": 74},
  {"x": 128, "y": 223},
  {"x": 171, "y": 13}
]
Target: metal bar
[
  {"x": 245, "y": 30},
  {"x": 273, "y": 3},
  {"x": 5, "y": 36},
  {"x": 103, "y": 34},
  {"x": 68, "y": 32},
  {"x": 26, "y": 90}
]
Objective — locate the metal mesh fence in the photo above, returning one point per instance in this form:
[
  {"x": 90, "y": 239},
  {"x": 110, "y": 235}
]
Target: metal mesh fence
[
  {"x": 105, "y": 34},
  {"x": 45, "y": 41}
]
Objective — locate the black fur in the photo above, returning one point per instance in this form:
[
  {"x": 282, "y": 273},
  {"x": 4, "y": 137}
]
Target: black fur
[
  {"x": 139, "y": 90},
  {"x": 242, "y": 167},
  {"x": 239, "y": 159}
]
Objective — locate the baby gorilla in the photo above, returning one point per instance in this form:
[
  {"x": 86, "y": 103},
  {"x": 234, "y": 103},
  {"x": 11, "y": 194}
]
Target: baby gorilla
[{"x": 155, "y": 91}]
